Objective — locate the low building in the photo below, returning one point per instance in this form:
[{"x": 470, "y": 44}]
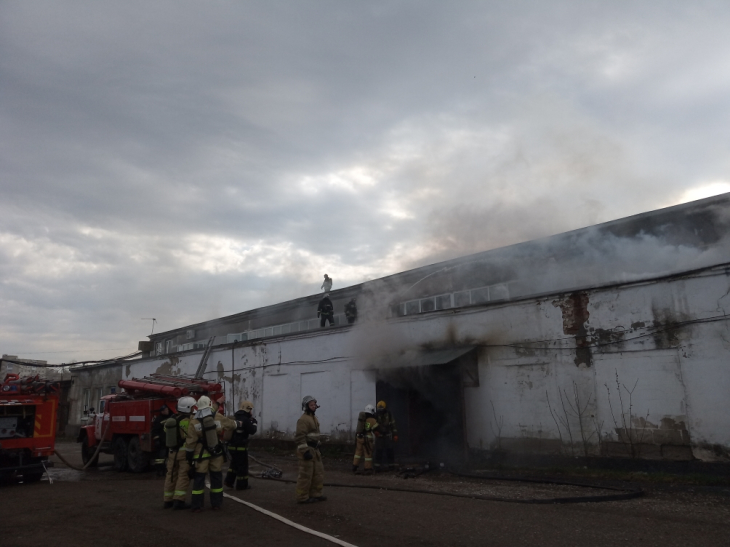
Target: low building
[{"x": 609, "y": 340}]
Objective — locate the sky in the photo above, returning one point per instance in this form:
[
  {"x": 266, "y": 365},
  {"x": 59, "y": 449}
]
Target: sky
[{"x": 189, "y": 160}]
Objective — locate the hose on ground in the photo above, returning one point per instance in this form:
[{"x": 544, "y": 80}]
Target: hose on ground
[
  {"x": 265, "y": 464},
  {"x": 91, "y": 460},
  {"x": 621, "y": 493}
]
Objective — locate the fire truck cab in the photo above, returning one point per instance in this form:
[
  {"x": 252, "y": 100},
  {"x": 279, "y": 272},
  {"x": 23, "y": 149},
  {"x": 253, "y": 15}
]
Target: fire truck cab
[{"x": 28, "y": 409}]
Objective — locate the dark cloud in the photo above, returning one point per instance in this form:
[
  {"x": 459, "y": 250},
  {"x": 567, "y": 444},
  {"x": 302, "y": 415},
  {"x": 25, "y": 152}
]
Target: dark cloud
[{"x": 188, "y": 160}]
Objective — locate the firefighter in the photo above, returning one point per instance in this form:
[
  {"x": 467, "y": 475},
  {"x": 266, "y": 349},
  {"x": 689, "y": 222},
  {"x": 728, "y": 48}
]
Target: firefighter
[
  {"x": 351, "y": 311},
  {"x": 326, "y": 311},
  {"x": 158, "y": 439},
  {"x": 177, "y": 479},
  {"x": 366, "y": 426},
  {"x": 205, "y": 452},
  {"x": 238, "y": 446},
  {"x": 386, "y": 437},
  {"x": 311, "y": 471},
  {"x": 326, "y": 284}
]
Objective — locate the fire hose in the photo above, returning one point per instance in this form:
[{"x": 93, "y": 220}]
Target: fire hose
[
  {"x": 65, "y": 461},
  {"x": 620, "y": 493}
]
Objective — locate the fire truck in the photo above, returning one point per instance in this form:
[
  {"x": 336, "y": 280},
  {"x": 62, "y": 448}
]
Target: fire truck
[
  {"x": 123, "y": 421},
  {"x": 28, "y": 407}
]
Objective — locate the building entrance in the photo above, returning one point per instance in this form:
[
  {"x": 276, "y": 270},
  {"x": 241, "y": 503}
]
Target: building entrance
[{"x": 427, "y": 403}]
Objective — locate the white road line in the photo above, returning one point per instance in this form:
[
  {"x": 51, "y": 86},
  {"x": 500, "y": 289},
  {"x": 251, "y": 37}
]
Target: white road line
[{"x": 287, "y": 521}]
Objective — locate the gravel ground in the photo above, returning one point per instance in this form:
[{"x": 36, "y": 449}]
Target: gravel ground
[{"x": 126, "y": 509}]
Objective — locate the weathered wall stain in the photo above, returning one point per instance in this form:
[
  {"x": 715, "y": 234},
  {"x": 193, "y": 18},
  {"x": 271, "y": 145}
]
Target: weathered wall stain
[{"x": 575, "y": 317}]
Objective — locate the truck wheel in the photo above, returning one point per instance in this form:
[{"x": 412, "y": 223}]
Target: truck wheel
[
  {"x": 120, "y": 454},
  {"x": 137, "y": 459},
  {"x": 87, "y": 452}
]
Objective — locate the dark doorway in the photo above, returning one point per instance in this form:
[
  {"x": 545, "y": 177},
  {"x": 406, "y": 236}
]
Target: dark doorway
[{"x": 427, "y": 404}]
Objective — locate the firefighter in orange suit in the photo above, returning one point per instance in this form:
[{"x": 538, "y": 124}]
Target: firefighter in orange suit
[
  {"x": 177, "y": 480},
  {"x": 311, "y": 472},
  {"x": 205, "y": 453},
  {"x": 366, "y": 427}
]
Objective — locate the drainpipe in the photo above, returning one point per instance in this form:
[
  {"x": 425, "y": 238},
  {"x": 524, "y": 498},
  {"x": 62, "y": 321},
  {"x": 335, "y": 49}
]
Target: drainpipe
[{"x": 233, "y": 390}]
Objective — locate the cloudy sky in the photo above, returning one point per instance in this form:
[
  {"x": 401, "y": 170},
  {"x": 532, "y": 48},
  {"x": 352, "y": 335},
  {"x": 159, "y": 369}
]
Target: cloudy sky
[{"x": 186, "y": 160}]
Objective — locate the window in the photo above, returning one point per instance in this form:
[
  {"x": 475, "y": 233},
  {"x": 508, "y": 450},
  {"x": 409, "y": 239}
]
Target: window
[
  {"x": 428, "y": 304},
  {"x": 478, "y": 296},
  {"x": 461, "y": 299},
  {"x": 412, "y": 307},
  {"x": 443, "y": 302},
  {"x": 168, "y": 346},
  {"x": 98, "y": 392},
  {"x": 158, "y": 348},
  {"x": 499, "y": 292}
]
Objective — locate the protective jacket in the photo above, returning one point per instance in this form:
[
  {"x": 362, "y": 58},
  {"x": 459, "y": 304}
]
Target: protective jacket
[
  {"x": 206, "y": 459},
  {"x": 351, "y": 311},
  {"x": 157, "y": 430},
  {"x": 386, "y": 424},
  {"x": 177, "y": 480},
  {"x": 325, "y": 308},
  {"x": 195, "y": 440},
  {"x": 307, "y": 433},
  {"x": 238, "y": 446},
  {"x": 247, "y": 427},
  {"x": 311, "y": 472}
]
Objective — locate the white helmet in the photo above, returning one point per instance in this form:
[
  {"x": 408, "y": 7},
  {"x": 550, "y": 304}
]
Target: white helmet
[
  {"x": 185, "y": 404},
  {"x": 370, "y": 409},
  {"x": 306, "y": 400},
  {"x": 203, "y": 402}
]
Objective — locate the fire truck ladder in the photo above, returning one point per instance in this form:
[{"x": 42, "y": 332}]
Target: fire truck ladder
[{"x": 204, "y": 359}]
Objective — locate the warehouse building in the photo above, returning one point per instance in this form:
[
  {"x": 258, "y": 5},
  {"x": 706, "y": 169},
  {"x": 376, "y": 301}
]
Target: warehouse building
[{"x": 610, "y": 340}]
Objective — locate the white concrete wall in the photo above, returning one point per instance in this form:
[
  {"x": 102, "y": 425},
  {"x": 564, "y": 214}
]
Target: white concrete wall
[{"x": 680, "y": 378}]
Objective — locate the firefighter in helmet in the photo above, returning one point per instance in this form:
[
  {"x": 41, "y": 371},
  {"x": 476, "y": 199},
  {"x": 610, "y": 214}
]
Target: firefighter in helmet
[
  {"x": 387, "y": 436},
  {"x": 158, "y": 439},
  {"x": 365, "y": 434},
  {"x": 177, "y": 479},
  {"x": 238, "y": 446},
  {"x": 311, "y": 471},
  {"x": 204, "y": 452},
  {"x": 351, "y": 311},
  {"x": 326, "y": 311}
]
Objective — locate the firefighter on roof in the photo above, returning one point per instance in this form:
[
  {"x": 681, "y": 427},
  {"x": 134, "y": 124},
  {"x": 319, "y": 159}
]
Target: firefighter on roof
[
  {"x": 205, "y": 452},
  {"x": 366, "y": 426},
  {"x": 387, "y": 436},
  {"x": 351, "y": 311},
  {"x": 238, "y": 446},
  {"x": 326, "y": 311},
  {"x": 311, "y": 471},
  {"x": 177, "y": 479}
]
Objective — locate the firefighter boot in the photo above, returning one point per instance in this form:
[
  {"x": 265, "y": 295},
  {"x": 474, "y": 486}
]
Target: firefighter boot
[
  {"x": 354, "y": 468},
  {"x": 198, "y": 496},
  {"x": 230, "y": 479},
  {"x": 167, "y": 505},
  {"x": 181, "y": 505}
]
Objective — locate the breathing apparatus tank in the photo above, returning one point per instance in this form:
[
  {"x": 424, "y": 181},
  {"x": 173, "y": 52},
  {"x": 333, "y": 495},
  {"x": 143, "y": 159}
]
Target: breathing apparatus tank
[
  {"x": 171, "y": 433},
  {"x": 206, "y": 417}
]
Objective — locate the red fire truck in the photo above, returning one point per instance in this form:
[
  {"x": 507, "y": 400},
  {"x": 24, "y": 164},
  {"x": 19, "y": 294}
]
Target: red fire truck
[
  {"x": 123, "y": 421},
  {"x": 28, "y": 408}
]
